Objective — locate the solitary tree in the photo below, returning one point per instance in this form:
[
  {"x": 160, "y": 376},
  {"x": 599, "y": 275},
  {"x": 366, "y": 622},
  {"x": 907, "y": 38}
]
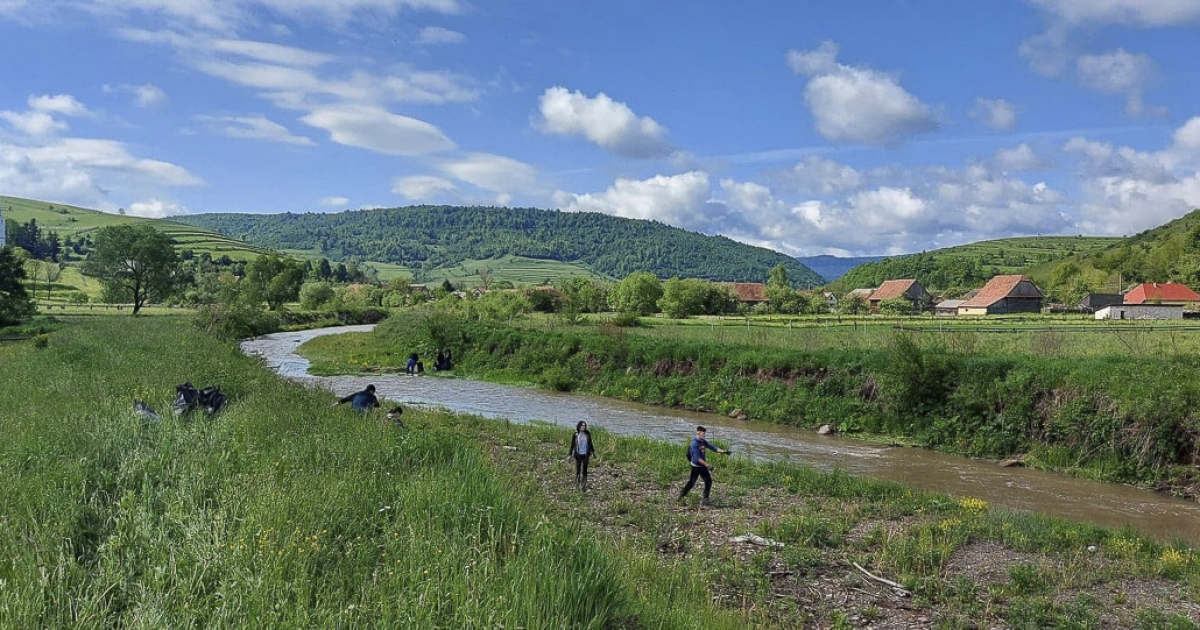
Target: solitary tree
[
  {"x": 15, "y": 304},
  {"x": 135, "y": 262}
]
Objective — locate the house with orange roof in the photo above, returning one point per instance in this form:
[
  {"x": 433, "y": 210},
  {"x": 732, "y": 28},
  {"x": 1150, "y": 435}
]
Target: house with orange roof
[
  {"x": 750, "y": 293},
  {"x": 910, "y": 290},
  {"x": 1162, "y": 293},
  {"x": 1004, "y": 294}
]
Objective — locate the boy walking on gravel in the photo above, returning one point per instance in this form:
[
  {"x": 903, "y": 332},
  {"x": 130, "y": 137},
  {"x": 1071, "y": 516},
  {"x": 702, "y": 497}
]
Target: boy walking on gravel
[{"x": 700, "y": 465}]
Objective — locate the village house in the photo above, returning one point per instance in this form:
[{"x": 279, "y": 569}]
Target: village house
[
  {"x": 909, "y": 290},
  {"x": 1162, "y": 293},
  {"x": 1141, "y": 311},
  {"x": 947, "y": 307},
  {"x": 1004, "y": 294},
  {"x": 1093, "y": 302},
  {"x": 748, "y": 293}
]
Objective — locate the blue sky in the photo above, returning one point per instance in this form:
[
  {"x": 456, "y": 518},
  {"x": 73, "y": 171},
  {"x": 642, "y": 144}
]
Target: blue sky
[{"x": 855, "y": 127}]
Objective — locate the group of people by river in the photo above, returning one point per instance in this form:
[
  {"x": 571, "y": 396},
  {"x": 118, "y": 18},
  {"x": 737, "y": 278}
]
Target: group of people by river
[{"x": 583, "y": 446}]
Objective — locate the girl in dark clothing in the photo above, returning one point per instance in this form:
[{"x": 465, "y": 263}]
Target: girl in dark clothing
[{"x": 582, "y": 448}]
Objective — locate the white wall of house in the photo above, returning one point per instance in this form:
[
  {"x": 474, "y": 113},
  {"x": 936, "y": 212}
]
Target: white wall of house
[{"x": 1141, "y": 311}]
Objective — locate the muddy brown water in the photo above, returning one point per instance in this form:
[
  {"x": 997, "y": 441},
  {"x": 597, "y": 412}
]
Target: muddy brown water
[{"x": 1110, "y": 505}]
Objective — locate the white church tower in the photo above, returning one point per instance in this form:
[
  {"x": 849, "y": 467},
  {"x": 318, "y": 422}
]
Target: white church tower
[{"x": 3, "y": 240}]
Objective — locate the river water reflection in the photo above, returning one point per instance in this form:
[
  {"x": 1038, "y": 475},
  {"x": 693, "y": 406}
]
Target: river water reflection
[{"x": 1110, "y": 505}]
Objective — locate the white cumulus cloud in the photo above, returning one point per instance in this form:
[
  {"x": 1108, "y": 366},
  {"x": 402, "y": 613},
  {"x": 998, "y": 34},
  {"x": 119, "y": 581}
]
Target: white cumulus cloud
[
  {"x": 40, "y": 119},
  {"x": 1019, "y": 158},
  {"x": 996, "y": 113},
  {"x": 422, "y": 187},
  {"x": 156, "y": 209},
  {"x": 1118, "y": 72},
  {"x": 600, "y": 119},
  {"x": 1128, "y": 12},
  {"x": 680, "y": 200},
  {"x": 858, "y": 105},
  {"x": 334, "y": 202}
]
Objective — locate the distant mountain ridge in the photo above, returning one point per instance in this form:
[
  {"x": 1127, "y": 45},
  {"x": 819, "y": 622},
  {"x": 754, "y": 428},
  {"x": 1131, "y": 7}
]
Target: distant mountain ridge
[
  {"x": 833, "y": 267},
  {"x": 430, "y": 237}
]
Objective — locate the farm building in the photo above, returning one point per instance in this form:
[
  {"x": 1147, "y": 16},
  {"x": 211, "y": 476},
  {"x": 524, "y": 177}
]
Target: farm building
[
  {"x": 830, "y": 299},
  {"x": 910, "y": 290},
  {"x": 1004, "y": 294},
  {"x": 1141, "y": 311},
  {"x": 750, "y": 293},
  {"x": 1093, "y": 302},
  {"x": 948, "y": 307},
  {"x": 1162, "y": 293}
]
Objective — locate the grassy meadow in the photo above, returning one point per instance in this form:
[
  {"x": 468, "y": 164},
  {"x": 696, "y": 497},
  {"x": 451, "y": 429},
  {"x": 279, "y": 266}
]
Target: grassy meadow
[
  {"x": 281, "y": 511},
  {"x": 285, "y": 512},
  {"x": 72, "y": 221}
]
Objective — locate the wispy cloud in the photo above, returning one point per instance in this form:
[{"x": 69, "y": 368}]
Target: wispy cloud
[{"x": 256, "y": 127}]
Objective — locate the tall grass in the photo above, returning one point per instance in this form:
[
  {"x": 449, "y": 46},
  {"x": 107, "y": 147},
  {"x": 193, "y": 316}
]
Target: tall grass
[{"x": 279, "y": 512}]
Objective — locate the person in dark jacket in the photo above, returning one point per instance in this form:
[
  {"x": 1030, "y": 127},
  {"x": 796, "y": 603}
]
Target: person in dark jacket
[
  {"x": 700, "y": 466},
  {"x": 582, "y": 448},
  {"x": 363, "y": 401}
]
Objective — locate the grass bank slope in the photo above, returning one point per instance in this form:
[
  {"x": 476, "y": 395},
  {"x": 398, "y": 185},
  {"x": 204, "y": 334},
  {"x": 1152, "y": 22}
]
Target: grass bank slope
[{"x": 281, "y": 512}]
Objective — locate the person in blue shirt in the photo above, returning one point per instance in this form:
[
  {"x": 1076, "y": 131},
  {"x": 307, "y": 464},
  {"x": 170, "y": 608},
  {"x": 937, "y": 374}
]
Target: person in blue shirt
[
  {"x": 700, "y": 465},
  {"x": 582, "y": 448},
  {"x": 363, "y": 401}
]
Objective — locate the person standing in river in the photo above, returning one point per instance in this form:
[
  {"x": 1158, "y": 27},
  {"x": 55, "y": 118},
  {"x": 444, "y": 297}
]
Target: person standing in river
[
  {"x": 700, "y": 466},
  {"x": 582, "y": 448}
]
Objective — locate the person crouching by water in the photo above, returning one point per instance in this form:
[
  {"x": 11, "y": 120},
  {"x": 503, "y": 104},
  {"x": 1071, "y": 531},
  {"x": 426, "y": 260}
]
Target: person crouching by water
[
  {"x": 393, "y": 416},
  {"x": 700, "y": 465},
  {"x": 582, "y": 448},
  {"x": 362, "y": 401}
]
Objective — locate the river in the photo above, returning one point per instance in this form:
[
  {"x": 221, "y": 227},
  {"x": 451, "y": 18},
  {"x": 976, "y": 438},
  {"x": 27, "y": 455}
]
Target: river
[{"x": 1162, "y": 517}]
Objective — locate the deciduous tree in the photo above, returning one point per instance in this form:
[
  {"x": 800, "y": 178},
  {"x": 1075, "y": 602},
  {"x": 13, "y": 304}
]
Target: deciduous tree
[
  {"x": 135, "y": 262},
  {"x": 274, "y": 279}
]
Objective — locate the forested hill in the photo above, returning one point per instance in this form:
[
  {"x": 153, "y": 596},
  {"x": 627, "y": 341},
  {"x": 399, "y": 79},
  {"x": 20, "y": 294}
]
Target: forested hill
[{"x": 437, "y": 236}]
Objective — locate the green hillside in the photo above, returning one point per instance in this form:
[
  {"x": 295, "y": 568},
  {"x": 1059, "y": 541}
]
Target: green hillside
[
  {"x": 1167, "y": 253},
  {"x": 968, "y": 266},
  {"x": 74, "y": 221},
  {"x": 428, "y": 238}
]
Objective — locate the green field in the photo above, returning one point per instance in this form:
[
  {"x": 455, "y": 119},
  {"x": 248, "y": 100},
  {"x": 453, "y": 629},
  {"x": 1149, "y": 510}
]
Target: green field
[
  {"x": 1014, "y": 255},
  {"x": 71, "y": 221},
  {"x": 284, "y": 512}
]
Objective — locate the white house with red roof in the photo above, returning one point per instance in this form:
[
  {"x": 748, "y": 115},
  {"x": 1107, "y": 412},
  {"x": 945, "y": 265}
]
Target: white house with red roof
[{"x": 1162, "y": 293}]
